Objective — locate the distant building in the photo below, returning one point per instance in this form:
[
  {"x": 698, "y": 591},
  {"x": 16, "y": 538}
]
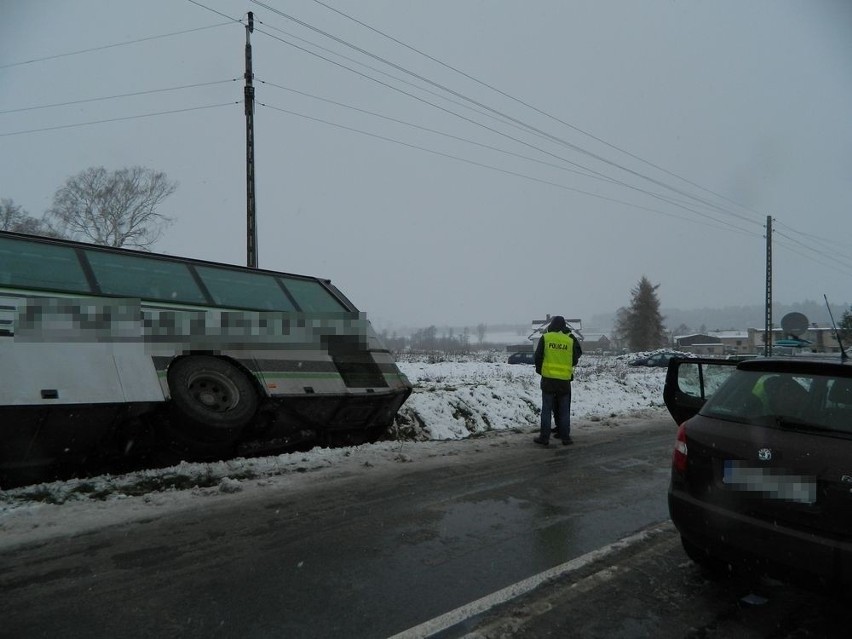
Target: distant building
[
  {"x": 596, "y": 343},
  {"x": 721, "y": 343},
  {"x": 822, "y": 339}
]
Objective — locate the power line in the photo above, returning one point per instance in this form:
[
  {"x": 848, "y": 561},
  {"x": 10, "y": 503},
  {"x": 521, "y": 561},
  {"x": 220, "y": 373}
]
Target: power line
[
  {"x": 430, "y": 130},
  {"x": 119, "y": 95},
  {"x": 386, "y": 74},
  {"x": 830, "y": 245},
  {"x": 846, "y": 270},
  {"x": 528, "y": 126},
  {"x": 212, "y": 10},
  {"x": 505, "y": 171},
  {"x": 583, "y": 171},
  {"x": 837, "y": 259},
  {"x": 499, "y": 150},
  {"x": 232, "y": 20},
  {"x": 130, "y": 117},
  {"x": 530, "y": 106},
  {"x": 111, "y": 46},
  {"x": 493, "y": 130}
]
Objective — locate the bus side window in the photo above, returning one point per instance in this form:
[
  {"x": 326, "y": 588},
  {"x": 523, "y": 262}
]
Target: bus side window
[
  {"x": 311, "y": 296},
  {"x": 35, "y": 265},
  {"x": 238, "y": 289},
  {"x": 147, "y": 278}
]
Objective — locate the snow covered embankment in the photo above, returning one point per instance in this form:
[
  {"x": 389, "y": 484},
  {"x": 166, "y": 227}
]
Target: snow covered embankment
[{"x": 453, "y": 400}]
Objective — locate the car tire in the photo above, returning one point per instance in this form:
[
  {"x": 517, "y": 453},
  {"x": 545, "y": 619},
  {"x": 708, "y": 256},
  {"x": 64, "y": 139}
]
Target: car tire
[
  {"x": 212, "y": 396},
  {"x": 710, "y": 565}
]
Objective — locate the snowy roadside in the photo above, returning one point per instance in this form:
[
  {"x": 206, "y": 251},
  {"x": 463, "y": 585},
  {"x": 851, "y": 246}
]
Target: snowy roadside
[{"x": 456, "y": 409}]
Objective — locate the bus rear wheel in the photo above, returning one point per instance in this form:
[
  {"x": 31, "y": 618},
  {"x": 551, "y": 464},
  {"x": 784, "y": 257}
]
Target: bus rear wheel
[{"x": 213, "y": 395}]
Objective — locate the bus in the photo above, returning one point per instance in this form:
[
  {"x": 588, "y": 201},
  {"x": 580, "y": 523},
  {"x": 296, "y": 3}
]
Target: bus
[{"x": 112, "y": 354}]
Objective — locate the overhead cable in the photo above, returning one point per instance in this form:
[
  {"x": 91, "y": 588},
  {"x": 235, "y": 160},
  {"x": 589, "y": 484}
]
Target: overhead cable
[
  {"x": 493, "y": 130},
  {"x": 130, "y": 117},
  {"x": 506, "y": 171},
  {"x": 111, "y": 46},
  {"x": 530, "y": 106},
  {"x": 212, "y": 10},
  {"x": 530, "y": 127},
  {"x": 601, "y": 177},
  {"x": 119, "y": 95},
  {"x": 432, "y": 92}
]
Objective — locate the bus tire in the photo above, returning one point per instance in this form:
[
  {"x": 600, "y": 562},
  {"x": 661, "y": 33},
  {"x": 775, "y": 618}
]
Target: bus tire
[{"x": 213, "y": 395}]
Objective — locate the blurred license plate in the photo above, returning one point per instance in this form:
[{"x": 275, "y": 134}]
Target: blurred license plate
[{"x": 769, "y": 483}]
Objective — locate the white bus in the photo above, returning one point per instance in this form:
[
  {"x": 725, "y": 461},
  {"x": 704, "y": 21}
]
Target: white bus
[{"x": 107, "y": 353}]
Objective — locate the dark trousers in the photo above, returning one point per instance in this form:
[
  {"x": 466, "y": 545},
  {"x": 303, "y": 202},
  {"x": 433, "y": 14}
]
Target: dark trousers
[{"x": 560, "y": 407}]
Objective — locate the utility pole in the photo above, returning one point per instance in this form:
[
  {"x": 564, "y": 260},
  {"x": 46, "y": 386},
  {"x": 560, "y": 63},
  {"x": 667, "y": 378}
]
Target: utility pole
[
  {"x": 767, "y": 335},
  {"x": 251, "y": 224}
]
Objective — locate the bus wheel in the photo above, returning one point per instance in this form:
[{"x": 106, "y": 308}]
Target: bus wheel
[{"x": 213, "y": 394}]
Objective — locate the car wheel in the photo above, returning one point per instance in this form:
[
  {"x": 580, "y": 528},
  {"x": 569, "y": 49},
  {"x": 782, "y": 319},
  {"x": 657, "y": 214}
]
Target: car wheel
[
  {"x": 213, "y": 395},
  {"x": 712, "y": 566}
]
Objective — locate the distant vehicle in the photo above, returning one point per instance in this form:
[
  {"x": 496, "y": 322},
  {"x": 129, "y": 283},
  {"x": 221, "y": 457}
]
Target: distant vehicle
[
  {"x": 659, "y": 358},
  {"x": 522, "y": 358},
  {"x": 762, "y": 465},
  {"x": 109, "y": 351}
]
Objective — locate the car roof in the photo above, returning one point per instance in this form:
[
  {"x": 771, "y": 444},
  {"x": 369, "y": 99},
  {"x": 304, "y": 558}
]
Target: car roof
[{"x": 800, "y": 364}]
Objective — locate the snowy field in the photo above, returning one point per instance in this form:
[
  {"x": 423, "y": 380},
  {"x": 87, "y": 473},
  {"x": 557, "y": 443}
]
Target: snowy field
[
  {"x": 457, "y": 408},
  {"x": 453, "y": 400}
]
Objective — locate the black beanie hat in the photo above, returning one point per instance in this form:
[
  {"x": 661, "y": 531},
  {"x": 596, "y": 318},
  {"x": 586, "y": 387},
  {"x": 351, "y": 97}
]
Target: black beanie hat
[{"x": 557, "y": 323}]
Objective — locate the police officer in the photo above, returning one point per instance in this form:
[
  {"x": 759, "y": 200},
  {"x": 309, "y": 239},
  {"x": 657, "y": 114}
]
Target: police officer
[{"x": 556, "y": 355}]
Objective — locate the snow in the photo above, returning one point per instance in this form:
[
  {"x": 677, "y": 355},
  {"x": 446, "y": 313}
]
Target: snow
[
  {"x": 453, "y": 400},
  {"x": 455, "y": 407}
]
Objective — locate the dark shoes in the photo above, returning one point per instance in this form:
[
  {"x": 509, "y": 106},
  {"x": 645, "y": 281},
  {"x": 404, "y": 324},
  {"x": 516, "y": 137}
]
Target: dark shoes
[
  {"x": 556, "y": 435},
  {"x": 565, "y": 442}
]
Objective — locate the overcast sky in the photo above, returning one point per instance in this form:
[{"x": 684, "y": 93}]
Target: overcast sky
[{"x": 586, "y": 145}]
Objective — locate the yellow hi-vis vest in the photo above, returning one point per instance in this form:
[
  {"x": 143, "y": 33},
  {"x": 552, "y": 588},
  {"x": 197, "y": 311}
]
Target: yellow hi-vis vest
[{"x": 558, "y": 360}]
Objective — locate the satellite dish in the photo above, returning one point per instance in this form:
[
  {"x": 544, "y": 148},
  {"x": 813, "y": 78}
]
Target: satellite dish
[{"x": 794, "y": 324}]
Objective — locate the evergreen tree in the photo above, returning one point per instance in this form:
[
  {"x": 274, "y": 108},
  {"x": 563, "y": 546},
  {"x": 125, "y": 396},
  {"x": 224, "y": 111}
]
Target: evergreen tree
[
  {"x": 641, "y": 324},
  {"x": 844, "y": 329}
]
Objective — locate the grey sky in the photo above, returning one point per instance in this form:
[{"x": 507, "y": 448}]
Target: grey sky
[{"x": 750, "y": 100}]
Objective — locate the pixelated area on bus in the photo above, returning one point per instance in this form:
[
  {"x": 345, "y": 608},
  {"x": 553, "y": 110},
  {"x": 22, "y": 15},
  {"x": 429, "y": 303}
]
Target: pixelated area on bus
[{"x": 124, "y": 320}]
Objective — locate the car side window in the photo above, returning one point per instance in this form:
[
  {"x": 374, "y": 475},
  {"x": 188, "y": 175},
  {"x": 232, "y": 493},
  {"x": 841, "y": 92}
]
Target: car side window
[{"x": 702, "y": 379}]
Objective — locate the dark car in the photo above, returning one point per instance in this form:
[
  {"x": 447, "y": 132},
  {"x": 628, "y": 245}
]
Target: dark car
[
  {"x": 659, "y": 358},
  {"x": 522, "y": 358},
  {"x": 762, "y": 464}
]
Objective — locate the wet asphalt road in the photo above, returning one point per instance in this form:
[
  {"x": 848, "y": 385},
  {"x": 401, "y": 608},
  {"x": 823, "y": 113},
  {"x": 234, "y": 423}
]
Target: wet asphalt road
[
  {"x": 361, "y": 556},
  {"x": 650, "y": 590}
]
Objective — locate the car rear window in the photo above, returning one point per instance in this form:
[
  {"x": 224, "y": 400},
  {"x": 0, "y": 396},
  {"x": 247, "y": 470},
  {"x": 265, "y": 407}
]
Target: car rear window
[{"x": 785, "y": 399}]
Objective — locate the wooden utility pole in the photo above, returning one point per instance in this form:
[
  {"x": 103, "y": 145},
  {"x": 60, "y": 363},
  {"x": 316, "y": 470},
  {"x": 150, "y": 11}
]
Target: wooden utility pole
[
  {"x": 767, "y": 335},
  {"x": 251, "y": 224}
]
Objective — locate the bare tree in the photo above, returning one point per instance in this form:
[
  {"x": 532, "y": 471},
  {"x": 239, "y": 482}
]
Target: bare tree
[
  {"x": 14, "y": 218},
  {"x": 118, "y": 208},
  {"x": 481, "y": 330},
  {"x": 622, "y": 322}
]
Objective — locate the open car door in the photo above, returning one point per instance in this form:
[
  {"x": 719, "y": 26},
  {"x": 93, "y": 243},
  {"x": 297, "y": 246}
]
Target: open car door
[{"x": 692, "y": 381}]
